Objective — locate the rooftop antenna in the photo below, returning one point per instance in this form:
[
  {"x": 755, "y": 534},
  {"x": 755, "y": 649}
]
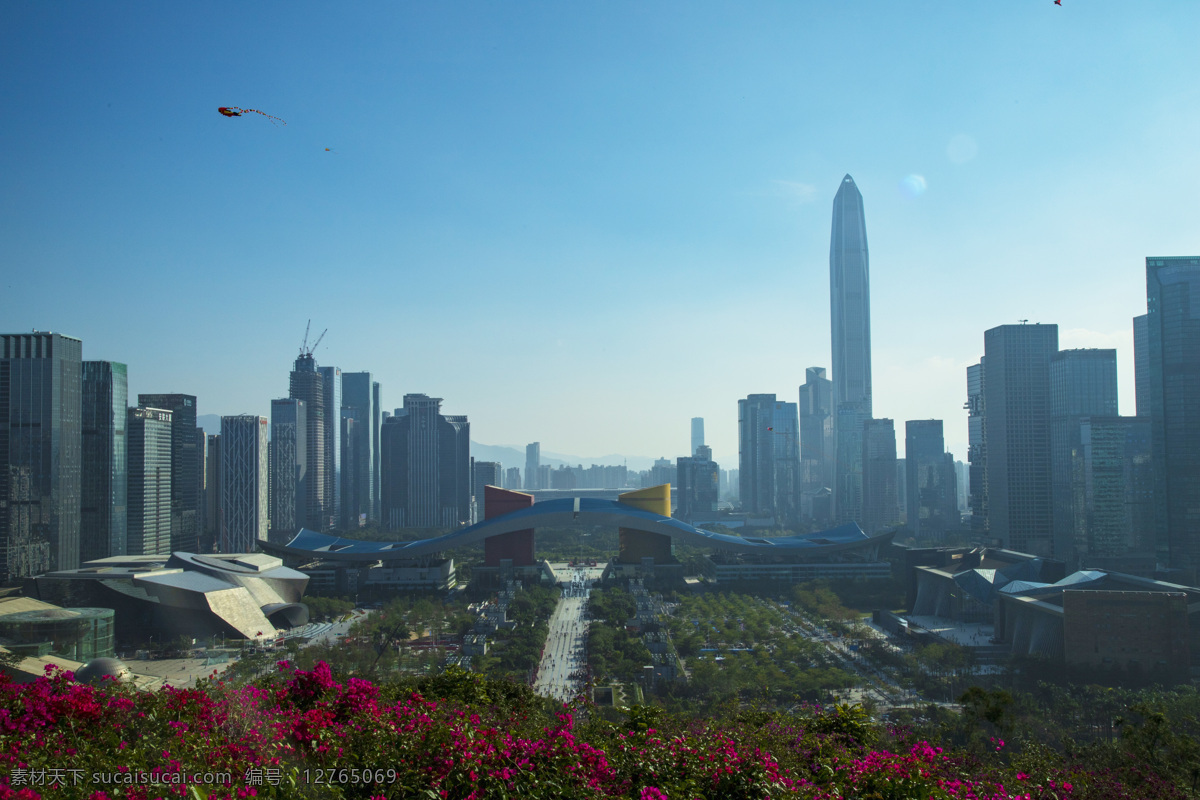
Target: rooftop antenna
[{"x": 1023, "y": 321}]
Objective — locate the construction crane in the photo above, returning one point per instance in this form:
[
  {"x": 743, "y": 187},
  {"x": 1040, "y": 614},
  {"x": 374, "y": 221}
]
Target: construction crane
[{"x": 305, "y": 350}]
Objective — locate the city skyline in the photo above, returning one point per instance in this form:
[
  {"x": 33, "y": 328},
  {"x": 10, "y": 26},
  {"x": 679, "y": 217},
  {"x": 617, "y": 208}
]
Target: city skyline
[{"x": 698, "y": 165}]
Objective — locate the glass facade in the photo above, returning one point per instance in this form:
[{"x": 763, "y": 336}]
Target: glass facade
[
  {"x": 881, "y": 509},
  {"x": 1173, "y": 325},
  {"x": 78, "y": 634},
  {"x": 1083, "y": 383},
  {"x": 185, "y": 483},
  {"x": 104, "y": 473},
  {"x": 40, "y": 453},
  {"x": 150, "y": 472},
  {"x": 332, "y": 378},
  {"x": 359, "y": 452},
  {"x": 930, "y": 482},
  {"x": 242, "y": 479},
  {"x": 816, "y": 431},
  {"x": 289, "y": 464},
  {"x": 307, "y": 384},
  {"x": 1016, "y": 385},
  {"x": 426, "y": 466}
]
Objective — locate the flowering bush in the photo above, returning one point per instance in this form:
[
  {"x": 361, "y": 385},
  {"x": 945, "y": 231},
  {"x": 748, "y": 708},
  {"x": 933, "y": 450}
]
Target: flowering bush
[{"x": 458, "y": 736}]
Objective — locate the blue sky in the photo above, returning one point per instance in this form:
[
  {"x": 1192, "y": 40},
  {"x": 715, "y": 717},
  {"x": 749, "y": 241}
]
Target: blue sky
[{"x": 586, "y": 223}]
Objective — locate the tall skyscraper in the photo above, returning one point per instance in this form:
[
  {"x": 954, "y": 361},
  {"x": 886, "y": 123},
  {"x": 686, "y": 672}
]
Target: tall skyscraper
[
  {"x": 376, "y": 423},
  {"x": 697, "y": 433},
  {"x": 699, "y": 480},
  {"x": 41, "y": 379},
  {"x": 104, "y": 472},
  {"x": 289, "y": 462},
  {"x": 1114, "y": 481},
  {"x": 1083, "y": 384},
  {"x": 306, "y": 383},
  {"x": 512, "y": 478},
  {"x": 1173, "y": 311},
  {"x": 850, "y": 319},
  {"x": 976, "y": 451},
  {"x": 1141, "y": 364},
  {"x": 151, "y": 469},
  {"x": 1016, "y": 386},
  {"x": 881, "y": 510},
  {"x": 932, "y": 504},
  {"x": 426, "y": 466},
  {"x": 359, "y": 455},
  {"x": 202, "y": 478},
  {"x": 212, "y": 511},
  {"x": 816, "y": 431},
  {"x": 533, "y": 463},
  {"x": 769, "y": 457},
  {"x": 332, "y": 378},
  {"x": 185, "y": 484},
  {"x": 243, "y": 509}
]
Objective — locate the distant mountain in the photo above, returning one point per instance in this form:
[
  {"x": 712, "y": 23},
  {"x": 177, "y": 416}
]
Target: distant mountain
[{"x": 210, "y": 422}]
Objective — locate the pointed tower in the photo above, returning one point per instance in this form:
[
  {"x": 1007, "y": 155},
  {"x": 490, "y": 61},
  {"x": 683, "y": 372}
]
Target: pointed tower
[{"x": 850, "y": 319}]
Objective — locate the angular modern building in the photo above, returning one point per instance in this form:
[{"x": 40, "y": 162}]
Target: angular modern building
[
  {"x": 242, "y": 512},
  {"x": 1016, "y": 386},
  {"x": 977, "y": 499},
  {"x": 306, "y": 383},
  {"x": 104, "y": 472},
  {"x": 1141, "y": 364},
  {"x": 41, "y": 380},
  {"x": 185, "y": 483},
  {"x": 850, "y": 320},
  {"x": 289, "y": 468},
  {"x": 697, "y": 433},
  {"x": 1173, "y": 323},
  {"x": 426, "y": 466},
  {"x": 151, "y": 463}
]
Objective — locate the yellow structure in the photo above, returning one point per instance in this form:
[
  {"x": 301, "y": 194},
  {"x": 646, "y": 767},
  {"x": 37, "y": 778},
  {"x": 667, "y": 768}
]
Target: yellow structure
[
  {"x": 636, "y": 546},
  {"x": 656, "y": 499}
]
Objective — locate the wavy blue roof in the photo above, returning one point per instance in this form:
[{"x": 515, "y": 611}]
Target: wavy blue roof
[{"x": 583, "y": 511}]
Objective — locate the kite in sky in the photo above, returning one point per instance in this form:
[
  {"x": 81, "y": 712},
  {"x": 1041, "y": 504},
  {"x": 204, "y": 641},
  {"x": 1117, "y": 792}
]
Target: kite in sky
[{"x": 234, "y": 111}]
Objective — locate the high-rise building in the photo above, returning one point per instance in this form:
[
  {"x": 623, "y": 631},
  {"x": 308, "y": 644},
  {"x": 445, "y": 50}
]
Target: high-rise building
[
  {"x": 243, "y": 511},
  {"x": 1141, "y": 364},
  {"x": 202, "y": 478},
  {"x": 977, "y": 499},
  {"x": 484, "y": 473},
  {"x": 426, "y": 466},
  {"x": 212, "y": 511},
  {"x": 881, "y": 510},
  {"x": 512, "y": 478},
  {"x": 185, "y": 484},
  {"x": 151, "y": 469},
  {"x": 360, "y": 413},
  {"x": 769, "y": 457},
  {"x": 376, "y": 422},
  {"x": 332, "y": 378},
  {"x": 697, "y": 433},
  {"x": 41, "y": 379},
  {"x": 699, "y": 484},
  {"x": 289, "y": 465},
  {"x": 816, "y": 431},
  {"x": 533, "y": 462},
  {"x": 306, "y": 383},
  {"x": 1173, "y": 311},
  {"x": 104, "y": 472},
  {"x": 850, "y": 319},
  {"x": 1016, "y": 385},
  {"x": 1114, "y": 480},
  {"x": 1083, "y": 384},
  {"x": 930, "y": 479}
]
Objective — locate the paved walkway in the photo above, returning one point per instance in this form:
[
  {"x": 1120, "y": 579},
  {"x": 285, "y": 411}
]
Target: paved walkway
[{"x": 565, "y": 650}]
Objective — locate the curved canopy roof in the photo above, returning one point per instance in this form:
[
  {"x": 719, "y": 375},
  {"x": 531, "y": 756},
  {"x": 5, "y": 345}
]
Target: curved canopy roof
[{"x": 578, "y": 511}]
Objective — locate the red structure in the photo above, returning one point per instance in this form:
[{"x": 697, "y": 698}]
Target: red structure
[{"x": 517, "y": 545}]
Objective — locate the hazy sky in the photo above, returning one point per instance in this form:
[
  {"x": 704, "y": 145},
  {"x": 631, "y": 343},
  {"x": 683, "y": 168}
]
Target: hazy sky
[{"x": 586, "y": 223}]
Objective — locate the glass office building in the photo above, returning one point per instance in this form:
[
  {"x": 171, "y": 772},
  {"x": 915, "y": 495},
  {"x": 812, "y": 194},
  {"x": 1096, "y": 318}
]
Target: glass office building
[{"x": 105, "y": 469}]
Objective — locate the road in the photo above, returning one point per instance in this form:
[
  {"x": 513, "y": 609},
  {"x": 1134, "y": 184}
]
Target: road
[{"x": 564, "y": 658}]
